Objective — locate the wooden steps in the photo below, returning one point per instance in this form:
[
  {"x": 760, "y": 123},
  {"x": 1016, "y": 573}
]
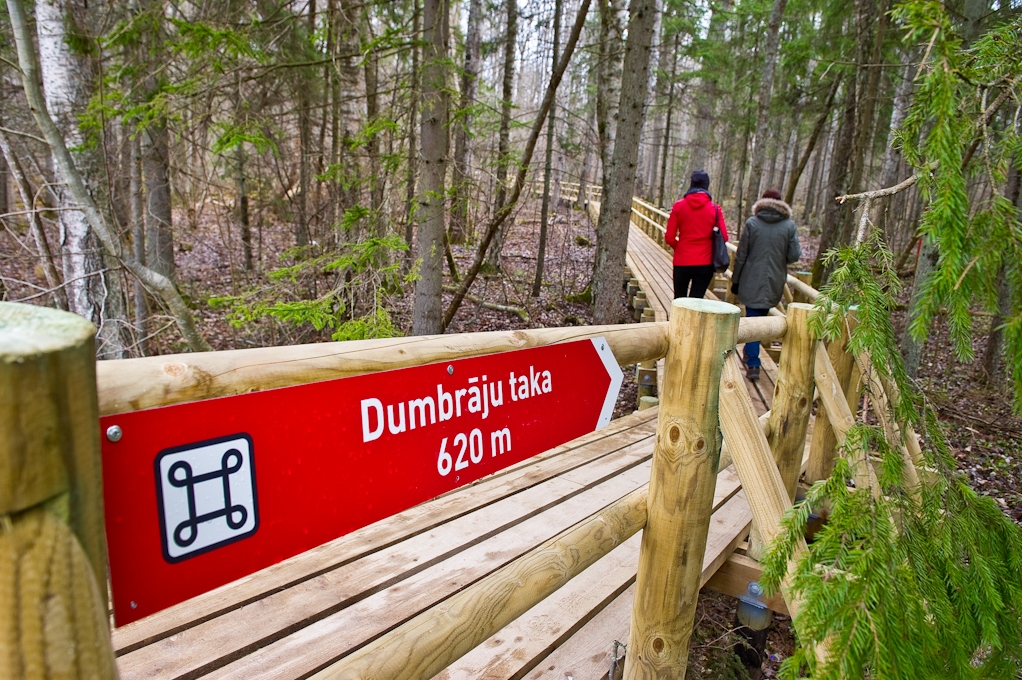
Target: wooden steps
[{"x": 298, "y": 616}]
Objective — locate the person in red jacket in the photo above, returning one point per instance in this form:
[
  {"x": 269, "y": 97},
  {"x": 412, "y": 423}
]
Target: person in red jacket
[{"x": 689, "y": 233}]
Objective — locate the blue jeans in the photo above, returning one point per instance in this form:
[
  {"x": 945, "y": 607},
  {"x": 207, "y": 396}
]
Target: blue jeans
[{"x": 752, "y": 348}]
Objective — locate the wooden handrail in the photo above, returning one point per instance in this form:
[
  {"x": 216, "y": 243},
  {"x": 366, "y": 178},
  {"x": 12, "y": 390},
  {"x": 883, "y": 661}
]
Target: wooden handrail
[{"x": 133, "y": 384}]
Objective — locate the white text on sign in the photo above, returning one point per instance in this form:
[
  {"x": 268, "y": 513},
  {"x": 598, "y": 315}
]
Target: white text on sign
[{"x": 478, "y": 397}]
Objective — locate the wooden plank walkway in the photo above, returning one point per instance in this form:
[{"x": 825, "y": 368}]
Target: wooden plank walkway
[{"x": 297, "y": 617}]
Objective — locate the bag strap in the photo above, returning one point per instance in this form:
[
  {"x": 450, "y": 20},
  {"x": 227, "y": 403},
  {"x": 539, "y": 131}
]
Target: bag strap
[{"x": 716, "y": 217}]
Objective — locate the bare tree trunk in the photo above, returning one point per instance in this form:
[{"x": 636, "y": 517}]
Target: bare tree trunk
[
  {"x": 156, "y": 162},
  {"x": 837, "y": 183},
  {"x": 469, "y": 76},
  {"x": 158, "y": 222},
  {"x": 504, "y": 143},
  {"x": 670, "y": 112},
  {"x": 66, "y": 76},
  {"x": 866, "y": 100},
  {"x": 615, "y": 210},
  {"x": 587, "y": 157},
  {"x": 892, "y": 151},
  {"x": 242, "y": 209},
  {"x": 136, "y": 189},
  {"x": 427, "y": 314},
  {"x": 301, "y": 223},
  {"x": 707, "y": 94},
  {"x": 766, "y": 84},
  {"x": 11, "y": 162},
  {"x": 547, "y": 168},
  {"x": 376, "y": 178},
  {"x": 413, "y": 123},
  {"x": 991, "y": 367},
  {"x": 789, "y": 194},
  {"x": 608, "y": 89}
]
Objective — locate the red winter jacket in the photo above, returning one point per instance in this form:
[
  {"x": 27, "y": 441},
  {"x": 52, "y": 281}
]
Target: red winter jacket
[{"x": 690, "y": 228}]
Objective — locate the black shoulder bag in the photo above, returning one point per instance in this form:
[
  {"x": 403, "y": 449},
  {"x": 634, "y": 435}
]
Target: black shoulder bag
[{"x": 721, "y": 259}]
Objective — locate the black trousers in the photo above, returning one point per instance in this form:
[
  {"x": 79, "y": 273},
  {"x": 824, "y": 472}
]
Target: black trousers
[{"x": 698, "y": 276}]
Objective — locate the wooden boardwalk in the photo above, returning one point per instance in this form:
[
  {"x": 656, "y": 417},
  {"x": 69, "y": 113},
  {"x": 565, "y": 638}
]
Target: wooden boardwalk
[{"x": 297, "y": 617}]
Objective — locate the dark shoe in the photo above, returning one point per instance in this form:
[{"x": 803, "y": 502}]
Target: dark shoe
[{"x": 752, "y": 373}]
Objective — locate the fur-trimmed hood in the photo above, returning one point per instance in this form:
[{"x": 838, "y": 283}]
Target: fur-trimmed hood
[{"x": 768, "y": 205}]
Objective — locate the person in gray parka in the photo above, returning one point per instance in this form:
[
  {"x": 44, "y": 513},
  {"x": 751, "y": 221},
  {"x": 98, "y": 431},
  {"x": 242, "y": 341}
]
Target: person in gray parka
[{"x": 769, "y": 243}]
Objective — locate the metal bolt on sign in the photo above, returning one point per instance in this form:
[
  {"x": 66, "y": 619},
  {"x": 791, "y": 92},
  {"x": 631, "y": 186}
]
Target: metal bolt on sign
[{"x": 113, "y": 433}]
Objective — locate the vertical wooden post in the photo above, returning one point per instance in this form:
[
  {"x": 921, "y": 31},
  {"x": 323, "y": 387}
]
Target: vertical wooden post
[
  {"x": 53, "y": 613},
  {"x": 823, "y": 446},
  {"x": 790, "y": 408},
  {"x": 638, "y": 304},
  {"x": 681, "y": 486},
  {"x": 761, "y": 481},
  {"x": 793, "y": 396},
  {"x": 806, "y": 278}
]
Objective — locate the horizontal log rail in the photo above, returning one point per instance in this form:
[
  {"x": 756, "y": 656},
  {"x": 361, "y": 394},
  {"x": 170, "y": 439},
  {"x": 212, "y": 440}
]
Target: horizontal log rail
[
  {"x": 433, "y": 640},
  {"x": 133, "y": 384}
]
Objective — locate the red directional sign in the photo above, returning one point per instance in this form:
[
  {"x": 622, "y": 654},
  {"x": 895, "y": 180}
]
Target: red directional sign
[{"x": 200, "y": 494}]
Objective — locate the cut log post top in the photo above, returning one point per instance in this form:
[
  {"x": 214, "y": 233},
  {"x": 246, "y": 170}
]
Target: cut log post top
[
  {"x": 53, "y": 612},
  {"x": 685, "y": 458}
]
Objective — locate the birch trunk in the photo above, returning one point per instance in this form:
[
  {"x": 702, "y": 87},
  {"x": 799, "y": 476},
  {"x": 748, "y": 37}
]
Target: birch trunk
[
  {"x": 92, "y": 292},
  {"x": 64, "y": 162}
]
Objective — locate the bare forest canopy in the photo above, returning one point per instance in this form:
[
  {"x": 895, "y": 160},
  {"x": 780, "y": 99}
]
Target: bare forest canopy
[{"x": 314, "y": 169}]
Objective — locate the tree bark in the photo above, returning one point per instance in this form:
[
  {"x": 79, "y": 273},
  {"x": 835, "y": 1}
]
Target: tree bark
[
  {"x": 462, "y": 132},
  {"x": 504, "y": 143},
  {"x": 789, "y": 194},
  {"x": 137, "y": 191},
  {"x": 837, "y": 183},
  {"x": 892, "y": 151},
  {"x": 377, "y": 181},
  {"x": 615, "y": 210},
  {"x": 766, "y": 84},
  {"x": 427, "y": 315},
  {"x": 67, "y": 78},
  {"x": 608, "y": 90},
  {"x": 158, "y": 222},
  {"x": 547, "y": 167},
  {"x": 866, "y": 101},
  {"x": 667, "y": 124},
  {"x": 159, "y": 239},
  {"x": 413, "y": 123}
]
